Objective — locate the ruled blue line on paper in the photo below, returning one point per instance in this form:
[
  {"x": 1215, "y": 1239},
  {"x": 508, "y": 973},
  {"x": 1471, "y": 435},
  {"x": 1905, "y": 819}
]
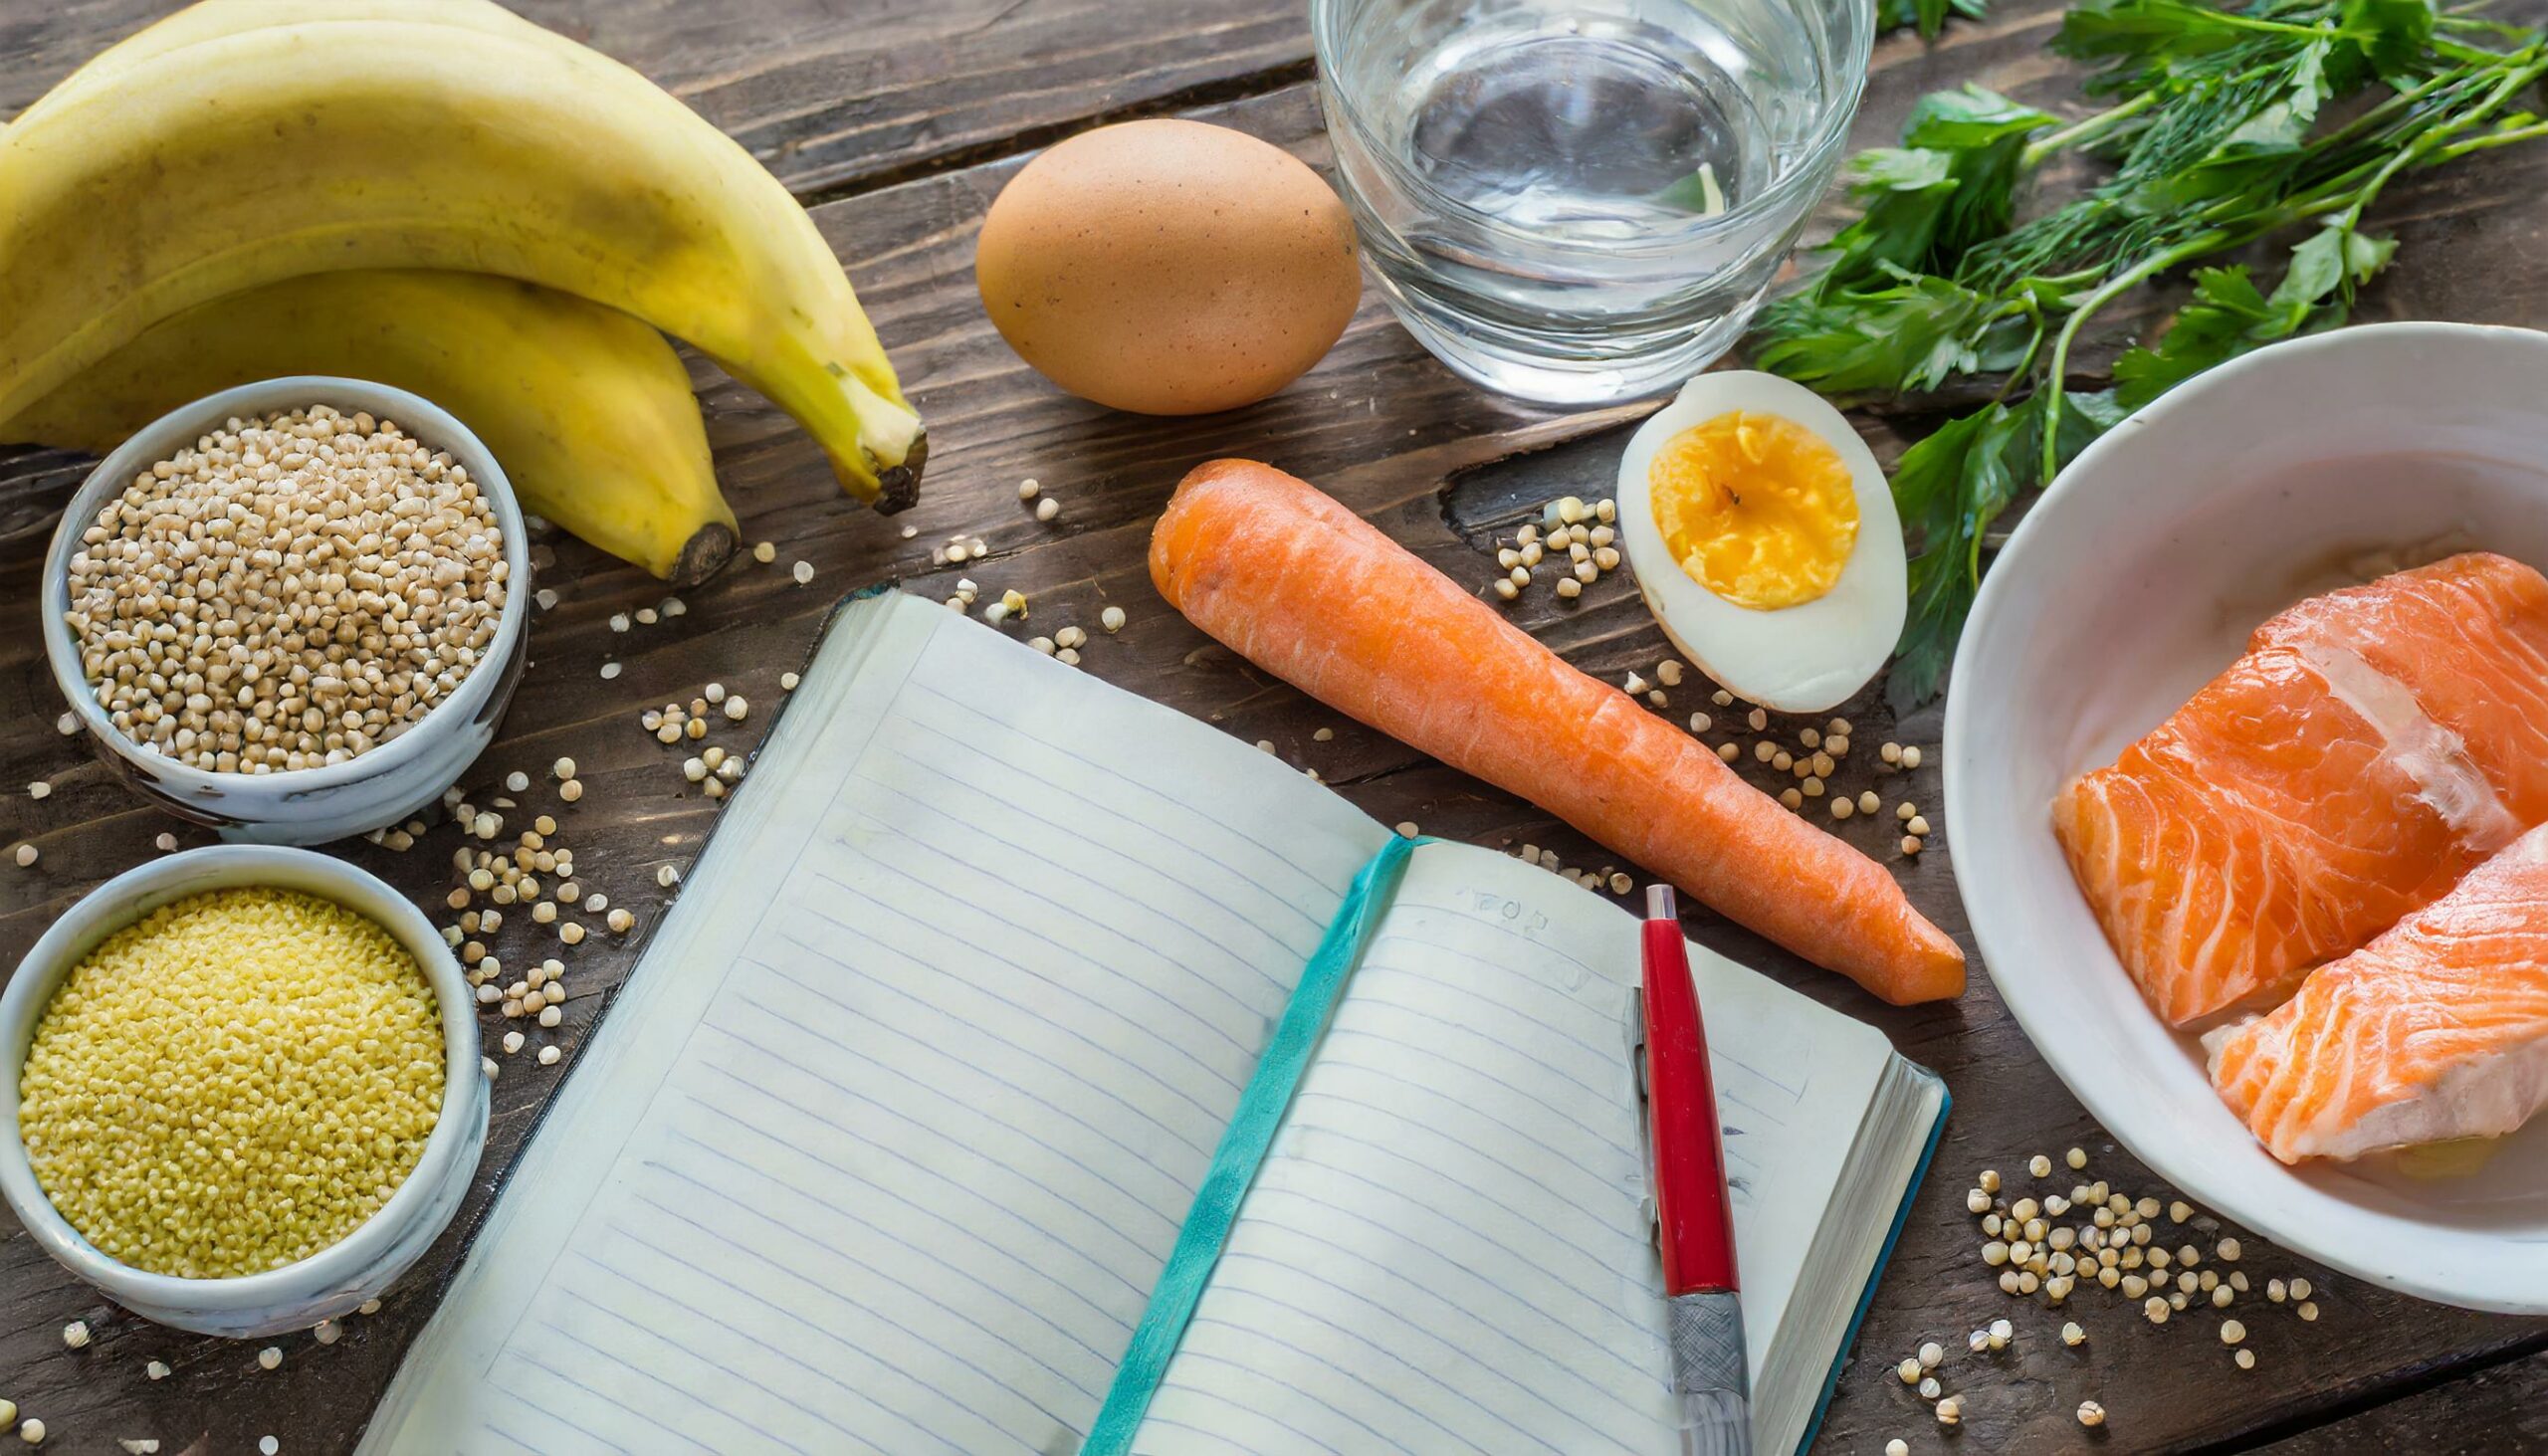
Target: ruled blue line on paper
[
  {"x": 1143, "y": 787},
  {"x": 1198, "y": 945},
  {"x": 958, "y": 911},
  {"x": 1411, "y": 1390},
  {"x": 915, "y": 1166},
  {"x": 721, "y": 1368},
  {"x": 1240, "y": 1056},
  {"x": 519, "y": 1405},
  {"x": 1489, "y": 1349},
  {"x": 1076, "y": 1162},
  {"x": 652, "y": 1288},
  {"x": 1501, "y": 1188},
  {"x": 971, "y": 1037},
  {"x": 1160, "y": 895},
  {"x": 1083, "y": 1046},
  {"x": 870, "y": 1281},
  {"x": 525, "y": 1361},
  {"x": 998, "y": 1185},
  {"x": 1404, "y": 1199},
  {"x": 1015, "y": 1272},
  {"x": 1261, "y": 1415}
]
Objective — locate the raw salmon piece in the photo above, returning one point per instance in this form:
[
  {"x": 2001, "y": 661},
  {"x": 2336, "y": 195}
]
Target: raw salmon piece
[
  {"x": 2265, "y": 827},
  {"x": 2437, "y": 1029},
  {"x": 2374, "y": 744},
  {"x": 2467, "y": 638}
]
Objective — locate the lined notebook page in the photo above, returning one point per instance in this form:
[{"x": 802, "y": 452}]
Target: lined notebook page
[
  {"x": 889, "y": 1137},
  {"x": 1451, "y": 1249}
]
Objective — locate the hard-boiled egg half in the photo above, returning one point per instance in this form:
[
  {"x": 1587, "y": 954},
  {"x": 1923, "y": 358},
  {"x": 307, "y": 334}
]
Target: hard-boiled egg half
[{"x": 1765, "y": 539}]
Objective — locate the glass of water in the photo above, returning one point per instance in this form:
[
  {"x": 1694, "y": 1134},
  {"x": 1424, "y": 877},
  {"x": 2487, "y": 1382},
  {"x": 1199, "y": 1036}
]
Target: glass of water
[{"x": 1582, "y": 201}]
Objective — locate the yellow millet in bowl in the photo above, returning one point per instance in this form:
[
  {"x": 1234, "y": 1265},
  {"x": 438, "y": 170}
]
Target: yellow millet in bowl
[{"x": 232, "y": 1084}]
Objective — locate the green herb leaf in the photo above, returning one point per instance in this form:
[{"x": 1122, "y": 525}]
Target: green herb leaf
[
  {"x": 2229, "y": 316},
  {"x": 1902, "y": 196},
  {"x": 1902, "y": 339},
  {"x": 2229, "y": 125},
  {"x": 2244, "y": 141},
  {"x": 1949, "y": 487},
  {"x": 2220, "y": 323},
  {"x": 2331, "y": 264},
  {"x": 1697, "y": 194},
  {"x": 2086, "y": 415},
  {"x": 2389, "y": 33},
  {"x": 1953, "y": 483},
  {"x": 1970, "y": 117},
  {"x": 1951, "y": 184},
  {"x": 1930, "y": 487},
  {"x": 2143, "y": 36},
  {"x": 1882, "y": 169},
  {"x": 1928, "y": 16}
]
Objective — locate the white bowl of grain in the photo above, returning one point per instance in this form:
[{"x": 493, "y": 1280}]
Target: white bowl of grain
[
  {"x": 336, "y": 1279},
  {"x": 377, "y": 784}
]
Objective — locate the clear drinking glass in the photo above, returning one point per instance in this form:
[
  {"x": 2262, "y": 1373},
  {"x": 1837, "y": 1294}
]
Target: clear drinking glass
[{"x": 1582, "y": 201}]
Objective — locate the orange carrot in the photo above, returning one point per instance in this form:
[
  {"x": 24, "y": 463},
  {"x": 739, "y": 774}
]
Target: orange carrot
[{"x": 1312, "y": 594}]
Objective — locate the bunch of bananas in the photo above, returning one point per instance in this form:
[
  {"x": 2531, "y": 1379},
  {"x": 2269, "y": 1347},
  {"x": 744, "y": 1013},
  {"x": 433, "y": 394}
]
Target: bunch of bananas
[{"x": 437, "y": 195}]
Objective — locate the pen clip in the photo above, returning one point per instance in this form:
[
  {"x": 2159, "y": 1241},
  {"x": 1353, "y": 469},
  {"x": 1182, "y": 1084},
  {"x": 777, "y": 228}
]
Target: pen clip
[{"x": 1633, "y": 1027}]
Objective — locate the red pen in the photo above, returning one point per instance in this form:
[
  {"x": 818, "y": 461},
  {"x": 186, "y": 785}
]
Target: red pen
[{"x": 1710, "y": 1374}]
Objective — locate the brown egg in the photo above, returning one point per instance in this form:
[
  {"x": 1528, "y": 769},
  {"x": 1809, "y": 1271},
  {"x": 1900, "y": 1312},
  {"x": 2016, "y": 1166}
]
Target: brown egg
[{"x": 1168, "y": 268}]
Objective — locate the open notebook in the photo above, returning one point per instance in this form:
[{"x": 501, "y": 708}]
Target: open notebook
[{"x": 889, "y": 1135}]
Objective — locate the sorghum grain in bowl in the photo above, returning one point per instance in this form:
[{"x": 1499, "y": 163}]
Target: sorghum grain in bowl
[
  {"x": 233, "y": 1083},
  {"x": 295, "y": 632},
  {"x": 290, "y": 591}
]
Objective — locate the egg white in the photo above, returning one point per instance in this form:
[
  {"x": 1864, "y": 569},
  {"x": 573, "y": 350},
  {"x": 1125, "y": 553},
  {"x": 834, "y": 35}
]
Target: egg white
[{"x": 1806, "y": 658}]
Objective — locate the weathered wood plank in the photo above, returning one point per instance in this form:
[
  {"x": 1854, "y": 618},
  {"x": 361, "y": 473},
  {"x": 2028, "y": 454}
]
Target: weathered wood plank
[
  {"x": 2500, "y": 1408},
  {"x": 840, "y": 94},
  {"x": 1441, "y": 467}
]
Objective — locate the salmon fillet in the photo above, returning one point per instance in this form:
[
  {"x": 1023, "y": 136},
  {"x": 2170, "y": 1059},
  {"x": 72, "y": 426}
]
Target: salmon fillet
[
  {"x": 2467, "y": 638},
  {"x": 2373, "y": 746},
  {"x": 2260, "y": 830},
  {"x": 2437, "y": 1029}
]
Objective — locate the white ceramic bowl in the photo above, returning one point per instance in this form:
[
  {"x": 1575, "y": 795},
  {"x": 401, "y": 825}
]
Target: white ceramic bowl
[
  {"x": 309, "y": 805},
  {"x": 2128, "y": 586},
  {"x": 336, "y": 1279}
]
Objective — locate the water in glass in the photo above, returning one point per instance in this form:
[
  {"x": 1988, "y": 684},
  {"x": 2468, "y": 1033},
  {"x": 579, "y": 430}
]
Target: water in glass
[{"x": 1582, "y": 201}]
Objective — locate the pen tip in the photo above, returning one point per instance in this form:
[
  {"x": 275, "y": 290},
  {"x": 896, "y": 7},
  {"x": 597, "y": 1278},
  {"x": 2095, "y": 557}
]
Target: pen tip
[{"x": 1659, "y": 904}]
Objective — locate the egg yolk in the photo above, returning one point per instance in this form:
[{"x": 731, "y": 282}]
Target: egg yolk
[{"x": 1757, "y": 508}]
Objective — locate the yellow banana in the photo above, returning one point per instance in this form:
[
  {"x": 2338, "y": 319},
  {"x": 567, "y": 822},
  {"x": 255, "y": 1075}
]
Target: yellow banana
[
  {"x": 213, "y": 19},
  {"x": 241, "y": 158},
  {"x": 588, "y": 410}
]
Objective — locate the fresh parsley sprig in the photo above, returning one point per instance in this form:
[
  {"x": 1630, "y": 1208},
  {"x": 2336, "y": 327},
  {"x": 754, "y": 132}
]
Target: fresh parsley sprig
[
  {"x": 2224, "y": 127},
  {"x": 1928, "y": 16}
]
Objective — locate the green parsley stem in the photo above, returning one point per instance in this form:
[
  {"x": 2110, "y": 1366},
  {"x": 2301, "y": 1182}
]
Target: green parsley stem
[
  {"x": 2084, "y": 131},
  {"x": 2112, "y": 288}
]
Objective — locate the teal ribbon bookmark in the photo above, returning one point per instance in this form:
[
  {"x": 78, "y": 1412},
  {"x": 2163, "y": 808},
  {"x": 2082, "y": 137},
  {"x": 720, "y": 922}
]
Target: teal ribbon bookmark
[{"x": 1243, "y": 1150}]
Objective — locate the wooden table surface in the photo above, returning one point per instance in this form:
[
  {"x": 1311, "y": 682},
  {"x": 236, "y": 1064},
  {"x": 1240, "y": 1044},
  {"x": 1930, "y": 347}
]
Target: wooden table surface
[{"x": 897, "y": 122}]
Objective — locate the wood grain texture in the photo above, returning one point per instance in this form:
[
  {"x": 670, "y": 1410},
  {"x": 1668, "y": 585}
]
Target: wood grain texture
[
  {"x": 2501, "y": 1408},
  {"x": 1441, "y": 467},
  {"x": 836, "y": 94}
]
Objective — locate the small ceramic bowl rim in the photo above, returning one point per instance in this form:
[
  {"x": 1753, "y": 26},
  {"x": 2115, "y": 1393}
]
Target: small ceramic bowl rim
[
  {"x": 2120, "y": 1106},
  {"x": 423, "y": 421},
  {"x": 107, "y": 908}
]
